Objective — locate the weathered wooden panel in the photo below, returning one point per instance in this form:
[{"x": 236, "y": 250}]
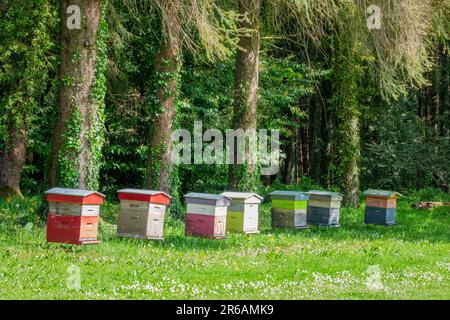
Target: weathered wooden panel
[
  {"x": 134, "y": 205},
  {"x": 324, "y": 203},
  {"x": 300, "y": 220},
  {"x": 220, "y": 227},
  {"x": 381, "y": 202},
  {"x": 155, "y": 226},
  {"x": 89, "y": 228},
  {"x": 283, "y": 218},
  {"x": 73, "y": 209},
  {"x": 323, "y": 216},
  {"x": 251, "y": 221},
  {"x": 132, "y": 222},
  {"x": 206, "y": 209},
  {"x": 235, "y": 221},
  {"x": 380, "y": 216},
  {"x": 72, "y": 229},
  {"x": 243, "y": 221},
  {"x": 236, "y": 207},
  {"x": 206, "y": 226},
  {"x": 142, "y": 207},
  {"x": 141, "y": 225}
]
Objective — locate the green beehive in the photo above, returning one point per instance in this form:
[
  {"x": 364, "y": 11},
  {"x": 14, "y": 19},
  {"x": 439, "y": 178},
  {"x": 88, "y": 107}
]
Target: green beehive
[
  {"x": 289, "y": 209},
  {"x": 243, "y": 212}
]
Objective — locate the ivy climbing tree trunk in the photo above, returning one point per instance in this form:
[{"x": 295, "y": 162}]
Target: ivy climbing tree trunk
[
  {"x": 12, "y": 160},
  {"x": 347, "y": 134},
  {"x": 26, "y": 62},
  {"x": 78, "y": 135},
  {"x": 167, "y": 68},
  {"x": 246, "y": 82}
]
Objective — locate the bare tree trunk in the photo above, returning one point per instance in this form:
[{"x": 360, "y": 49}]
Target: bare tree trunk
[
  {"x": 444, "y": 95},
  {"x": 74, "y": 155},
  {"x": 288, "y": 165},
  {"x": 246, "y": 81},
  {"x": 315, "y": 139},
  {"x": 12, "y": 160},
  {"x": 168, "y": 68}
]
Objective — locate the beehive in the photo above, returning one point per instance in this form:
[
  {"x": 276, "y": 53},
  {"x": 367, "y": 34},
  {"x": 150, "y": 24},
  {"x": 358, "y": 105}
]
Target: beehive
[
  {"x": 324, "y": 208},
  {"x": 243, "y": 212},
  {"x": 289, "y": 209},
  {"x": 73, "y": 215},
  {"x": 142, "y": 214},
  {"x": 206, "y": 215},
  {"x": 380, "y": 207}
]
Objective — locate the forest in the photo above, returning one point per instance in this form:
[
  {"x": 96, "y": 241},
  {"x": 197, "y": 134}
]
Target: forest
[
  {"x": 356, "y": 107},
  {"x": 92, "y": 90}
]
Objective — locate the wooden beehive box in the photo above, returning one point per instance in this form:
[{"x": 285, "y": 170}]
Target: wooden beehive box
[
  {"x": 381, "y": 207},
  {"x": 73, "y": 215},
  {"x": 142, "y": 214},
  {"x": 289, "y": 209},
  {"x": 243, "y": 212},
  {"x": 324, "y": 208},
  {"x": 206, "y": 215}
]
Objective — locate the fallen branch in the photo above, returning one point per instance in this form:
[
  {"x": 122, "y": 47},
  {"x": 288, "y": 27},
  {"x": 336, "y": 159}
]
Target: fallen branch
[{"x": 430, "y": 205}]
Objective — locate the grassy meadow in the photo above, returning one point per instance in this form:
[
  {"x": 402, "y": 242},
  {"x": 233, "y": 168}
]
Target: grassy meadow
[{"x": 408, "y": 261}]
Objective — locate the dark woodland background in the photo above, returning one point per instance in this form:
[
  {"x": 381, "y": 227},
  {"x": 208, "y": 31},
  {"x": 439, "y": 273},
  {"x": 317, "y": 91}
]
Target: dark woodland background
[{"x": 94, "y": 108}]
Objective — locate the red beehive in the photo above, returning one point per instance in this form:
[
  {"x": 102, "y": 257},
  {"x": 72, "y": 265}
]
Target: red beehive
[
  {"x": 73, "y": 215},
  {"x": 206, "y": 215},
  {"x": 144, "y": 195}
]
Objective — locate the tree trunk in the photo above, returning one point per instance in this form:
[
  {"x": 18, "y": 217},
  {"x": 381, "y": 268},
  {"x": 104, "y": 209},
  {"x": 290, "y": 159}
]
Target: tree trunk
[
  {"x": 167, "y": 67},
  {"x": 347, "y": 136},
  {"x": 246, "y": 79},
  {"x": 12, "y": 160},
  {"x": 78, "y": 134},
  {"x": 315, "y": 139},
  {"x": 288, "y": 164},
  {"x": 350, "y": 161}
]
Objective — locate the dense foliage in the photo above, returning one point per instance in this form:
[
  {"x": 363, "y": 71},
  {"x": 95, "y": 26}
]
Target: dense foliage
[{"x": 324, "y": 99}]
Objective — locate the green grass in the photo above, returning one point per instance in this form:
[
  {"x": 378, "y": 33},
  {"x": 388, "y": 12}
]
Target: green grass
[{"x": 413, "y": 258}]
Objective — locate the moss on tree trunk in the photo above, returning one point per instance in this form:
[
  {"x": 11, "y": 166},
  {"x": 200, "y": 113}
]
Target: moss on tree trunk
[
  {"x": 246, "y": 84},
  {"x": 167, "y": 69},
  {"x": 78, "y": 136}
]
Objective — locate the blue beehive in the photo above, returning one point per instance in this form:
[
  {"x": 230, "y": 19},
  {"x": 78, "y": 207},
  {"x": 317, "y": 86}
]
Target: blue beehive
[{"x": 380, "y": 207}]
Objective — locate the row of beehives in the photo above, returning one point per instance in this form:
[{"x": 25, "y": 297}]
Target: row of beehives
[{"x": 74, "y": 214}]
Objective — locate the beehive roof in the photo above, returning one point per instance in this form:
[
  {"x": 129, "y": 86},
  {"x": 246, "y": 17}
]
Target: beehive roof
[
  {"x": 145, "y": 192},
  {"x": 330, "y": 194},
  {"x": 73, "y": 192},
  {"x": 382, "y": 193},
  {"x": 208, "y": 196},
  {"x": 240, "y": 195},
  {"x": 296, "y": 195}
]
